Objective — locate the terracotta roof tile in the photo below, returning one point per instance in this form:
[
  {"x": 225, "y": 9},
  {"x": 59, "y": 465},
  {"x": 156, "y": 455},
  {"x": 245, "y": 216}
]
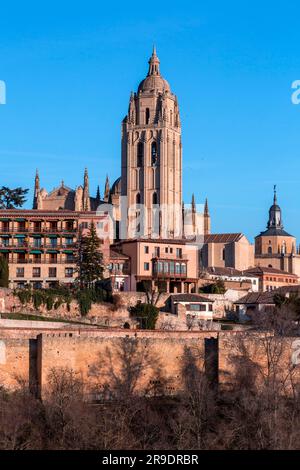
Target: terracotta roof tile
[
  {"x": 223, "y": 237},
  {"x": 264, "y": 270},
  {"x": 190, "y": 298}
]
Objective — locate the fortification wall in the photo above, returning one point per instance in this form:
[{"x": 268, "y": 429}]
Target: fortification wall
[
  {"x": 98, "y": 360},
  {"x": 102, "y": 357},
  {"x": 259, "y": 357},
  {"x": 14, "y": 361}
]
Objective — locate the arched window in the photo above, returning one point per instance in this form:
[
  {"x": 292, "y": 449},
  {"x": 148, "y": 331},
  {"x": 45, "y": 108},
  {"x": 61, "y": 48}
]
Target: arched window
[
  {"x": 171, "y": 117},
  {"x": 136, "y": 179},
  {"x": 269, "y": 250},
  {"x": 138, "y": 198},
  {"x": 140, "y": 154},
  {"x": 147, "y": 115},
  {"x": 154, "y": 153},
  {"x": 154, "y": 198}
]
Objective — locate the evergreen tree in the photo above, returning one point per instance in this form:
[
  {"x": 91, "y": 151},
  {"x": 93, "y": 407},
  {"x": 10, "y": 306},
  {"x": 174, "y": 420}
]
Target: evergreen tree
[
  {"x": 90, "y": 265},
  {"x": 4, "y": 272},
  {"x": 12, "y": 198},
  {"x": 98, "y": 195},
  {"x": 146, "y": 314}
]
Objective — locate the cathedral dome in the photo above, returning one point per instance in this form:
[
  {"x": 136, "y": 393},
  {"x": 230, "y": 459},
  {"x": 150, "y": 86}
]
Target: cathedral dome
[{"x": 154, "y": 80}]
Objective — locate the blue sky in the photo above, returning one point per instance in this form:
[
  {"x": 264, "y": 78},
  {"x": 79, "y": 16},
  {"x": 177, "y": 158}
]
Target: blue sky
[{"x": 69, "y": 68}]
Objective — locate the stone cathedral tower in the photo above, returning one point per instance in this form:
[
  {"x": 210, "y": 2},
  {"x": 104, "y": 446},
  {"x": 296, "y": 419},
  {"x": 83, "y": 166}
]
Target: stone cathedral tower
[{"x": 152, "y": 157}]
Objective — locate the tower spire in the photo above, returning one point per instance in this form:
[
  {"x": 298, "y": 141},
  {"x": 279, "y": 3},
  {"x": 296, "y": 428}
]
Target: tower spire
[
  {"x": 206, "y": 210},
  {"x": 275, "y": 217},
  {"x": 86, "y": 192},
  {"x": 106, "y": 189},
  {"x": 275, "y": 194},
  {"x": 36, "y": 189},
  {"x": 154, "y": 63},
  {"x": 206, "y": 218}
]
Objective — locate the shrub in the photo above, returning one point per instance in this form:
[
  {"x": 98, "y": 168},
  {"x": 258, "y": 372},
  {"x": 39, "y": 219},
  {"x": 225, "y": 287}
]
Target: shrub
[
  {"x": 84, "y": 299},
  {"x": 24, "y": 296},
  {"x": 58, "y": 303},
  {"x": 216, "y": 288},
  {"x": 49, "y": 302},
  {"x": 146, "y": 314},
  {"x": 38, "y": 299}
]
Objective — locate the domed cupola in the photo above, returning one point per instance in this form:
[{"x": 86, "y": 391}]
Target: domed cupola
[
  {"x": 275, "y": 219},
  {"x": 154, "y": 81}
]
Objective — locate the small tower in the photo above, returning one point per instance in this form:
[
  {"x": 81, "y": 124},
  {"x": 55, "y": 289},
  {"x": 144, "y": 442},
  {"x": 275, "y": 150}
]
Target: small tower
[
  {"x": 206, "y": 219},
  {"x": 106, "y": 189},
  {"x": 86, "y": 192},
  {"x": 275, "y": 218},
  {"x": 36, "y": 190},
  {"x": 274, "y": 246},
  {"x": 194, "y": 214}
]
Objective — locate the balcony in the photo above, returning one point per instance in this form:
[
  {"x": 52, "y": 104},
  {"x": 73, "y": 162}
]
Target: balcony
[
  {"x": 175, "y": 269},
  {"x": 119, "y": 272},
  {"x": 32, "y": 261},
  {"x": 168, "y": 256},
  {"x": 32, "y": 230},
  {"x": 14, "y": 246},
  {"x": 168, "y": 275},
  {"x": 32, "y": 246}
]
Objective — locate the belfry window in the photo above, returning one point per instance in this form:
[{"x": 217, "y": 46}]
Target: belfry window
[
  {"x": 154, "y": 153},
  {"x": 270, "y": 250},
  {"x": 147, "y": 115},
  {"x": 140, "y": 154},
  {"x": 138, "y": 198},
  {"x": 154, "y": 199}
]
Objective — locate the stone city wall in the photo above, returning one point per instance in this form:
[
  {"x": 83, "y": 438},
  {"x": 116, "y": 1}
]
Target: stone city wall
[{"x": 101, "y": 357}]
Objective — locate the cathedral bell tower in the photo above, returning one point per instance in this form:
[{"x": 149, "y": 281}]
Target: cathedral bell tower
[{"x": 152, "y": 158}]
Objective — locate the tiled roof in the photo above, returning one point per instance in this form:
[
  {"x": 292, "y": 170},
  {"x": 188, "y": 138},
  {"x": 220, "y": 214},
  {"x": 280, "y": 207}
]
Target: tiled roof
[
  {"x": 274, "y": 232},
  {"x": 189, "y": 298},
  {"x": 257, "y": 298},
  {"x": 267, "y": 297},
  {"x": 259, "y": 270},
  {"x": 223, "y": 237},
  {"x": 225, "y": 271},
  {"x": 159, "y": 241},
  {"x": 115, "y": 255}
]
